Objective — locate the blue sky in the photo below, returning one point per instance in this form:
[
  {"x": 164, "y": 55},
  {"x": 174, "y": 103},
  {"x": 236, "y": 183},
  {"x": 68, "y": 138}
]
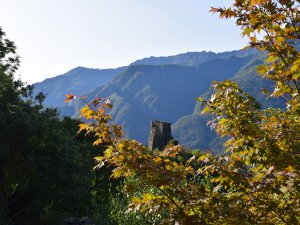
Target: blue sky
[{"x": 54, "y": 36}]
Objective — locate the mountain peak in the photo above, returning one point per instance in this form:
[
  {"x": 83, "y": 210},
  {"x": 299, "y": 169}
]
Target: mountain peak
[{"x": 192, "y": 58}]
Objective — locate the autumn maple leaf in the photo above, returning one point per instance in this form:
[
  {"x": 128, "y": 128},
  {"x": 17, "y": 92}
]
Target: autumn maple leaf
[{"x": 69, "y": 97}]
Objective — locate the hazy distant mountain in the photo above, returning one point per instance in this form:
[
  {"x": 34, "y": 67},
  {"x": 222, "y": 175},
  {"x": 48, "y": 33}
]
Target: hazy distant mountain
[
  {"x": 163, "y": 88},
  {"x": 193, "y": 58},
  {"x": 77, "y": 81},
  {"x": 192, "y": 130},
  {"x": 81, "y": 80},
  {"x": 165, "y": 92}
]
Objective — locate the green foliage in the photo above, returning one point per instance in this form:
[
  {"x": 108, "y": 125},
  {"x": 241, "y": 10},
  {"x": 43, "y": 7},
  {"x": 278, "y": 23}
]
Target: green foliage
[
  {"x": 9, "y": 61},
  {"x": 45, "y": 170},
  {"x": 120, "y": 200}
]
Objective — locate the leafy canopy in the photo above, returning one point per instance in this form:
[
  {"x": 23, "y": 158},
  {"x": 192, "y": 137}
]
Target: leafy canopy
[{"x": 44, "y": 169}]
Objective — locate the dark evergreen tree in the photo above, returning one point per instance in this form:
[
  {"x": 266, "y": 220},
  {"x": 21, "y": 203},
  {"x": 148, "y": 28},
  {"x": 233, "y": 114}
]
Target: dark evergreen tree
[{"x": 45, "y": 168}]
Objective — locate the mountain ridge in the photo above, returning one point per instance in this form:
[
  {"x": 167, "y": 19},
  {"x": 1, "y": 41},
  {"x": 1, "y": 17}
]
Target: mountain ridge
[
  {"x": 192, "y": 58},
  {"x": 143, "y": 93},
  {"x": 150, "y": 90},
  {"x": 75, "y": 81}
]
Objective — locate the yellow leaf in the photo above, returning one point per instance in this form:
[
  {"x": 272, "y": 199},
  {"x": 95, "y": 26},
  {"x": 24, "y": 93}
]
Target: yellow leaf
[
  {"x": 98, "y": 158},
  {"x": 82, "y": 127},
  {"x": 87, "y": 112},
  {"x": 97, "y": 142},
  {"x": 290, "y": 169}
]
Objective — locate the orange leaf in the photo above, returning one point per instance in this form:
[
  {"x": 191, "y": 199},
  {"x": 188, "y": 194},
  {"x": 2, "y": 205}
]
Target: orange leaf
[
  {"x": 108, "y": 105},
  {"x": 256, "y": 2},
  {"x": 96, "y": 101},
  {"x": 69, "y": 97}
]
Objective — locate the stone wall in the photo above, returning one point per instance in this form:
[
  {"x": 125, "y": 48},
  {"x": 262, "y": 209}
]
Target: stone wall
[{"x": 160, "y": 134}]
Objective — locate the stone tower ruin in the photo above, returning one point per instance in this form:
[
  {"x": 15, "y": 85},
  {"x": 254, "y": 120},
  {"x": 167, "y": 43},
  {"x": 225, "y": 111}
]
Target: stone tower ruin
[{"x": 160, "y": 134}]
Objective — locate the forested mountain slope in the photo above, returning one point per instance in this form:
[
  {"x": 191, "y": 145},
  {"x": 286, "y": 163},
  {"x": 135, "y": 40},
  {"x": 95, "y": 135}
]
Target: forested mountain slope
[
  {"x": 163, "y": 88},
  {"x": 165, "y": 92},
  {"x": 78, "y": 81},
  {"x": 81, "y": 80},
  {"x": 192, "y": 130}
]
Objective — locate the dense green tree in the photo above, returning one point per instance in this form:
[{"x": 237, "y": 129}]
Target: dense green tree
[{"x": 45, "y": 168}]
